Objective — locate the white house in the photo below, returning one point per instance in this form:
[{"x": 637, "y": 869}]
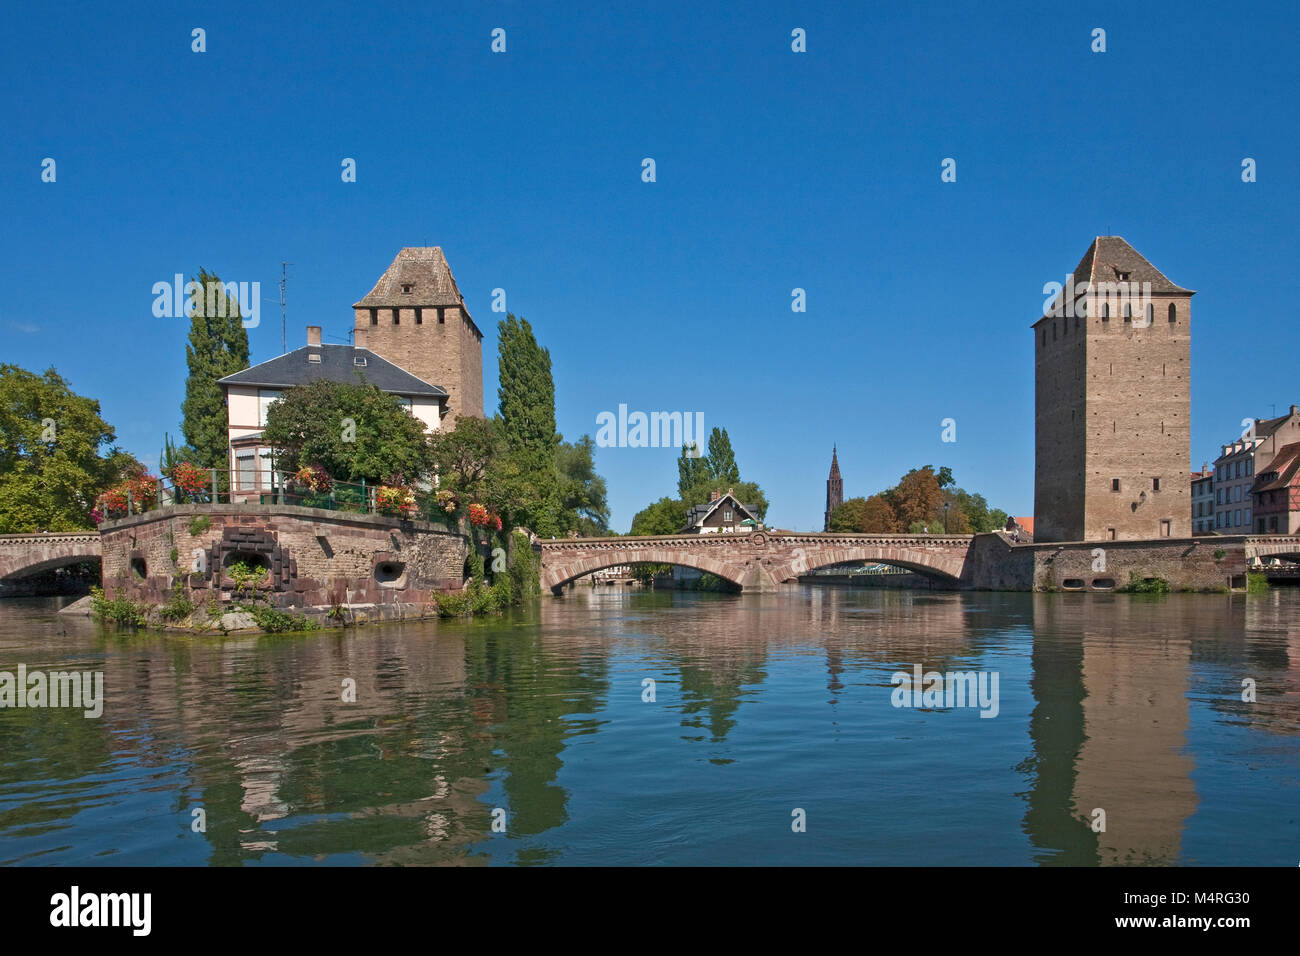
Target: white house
[{"x": 251, "y": 392}]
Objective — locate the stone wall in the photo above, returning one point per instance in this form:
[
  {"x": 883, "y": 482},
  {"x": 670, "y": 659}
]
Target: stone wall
[
  {"x": 1186, "y": 563},
  {"x": 314, "y": 557},
  {"x": 443, "y": 349}
]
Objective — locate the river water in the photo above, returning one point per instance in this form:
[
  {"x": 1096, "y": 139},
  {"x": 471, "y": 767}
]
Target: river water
[{"x": 772, "y": 735}]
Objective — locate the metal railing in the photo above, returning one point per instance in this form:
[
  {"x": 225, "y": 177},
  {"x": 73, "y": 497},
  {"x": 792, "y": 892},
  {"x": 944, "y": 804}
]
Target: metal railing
[{"x": 282, "y": 488}]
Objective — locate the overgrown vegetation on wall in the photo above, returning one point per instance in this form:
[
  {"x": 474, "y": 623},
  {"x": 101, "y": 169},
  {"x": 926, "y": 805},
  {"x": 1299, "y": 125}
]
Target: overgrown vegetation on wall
[{"x": 509, "y": 586}]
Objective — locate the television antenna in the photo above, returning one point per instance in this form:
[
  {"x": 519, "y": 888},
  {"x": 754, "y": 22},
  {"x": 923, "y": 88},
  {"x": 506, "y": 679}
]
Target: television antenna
[{"x": 284, "y": 281}]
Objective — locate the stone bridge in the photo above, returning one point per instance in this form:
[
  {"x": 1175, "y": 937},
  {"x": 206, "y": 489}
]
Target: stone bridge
[
  {"x": 22, "y": 555},
  {"x": 759, "y": 561}
]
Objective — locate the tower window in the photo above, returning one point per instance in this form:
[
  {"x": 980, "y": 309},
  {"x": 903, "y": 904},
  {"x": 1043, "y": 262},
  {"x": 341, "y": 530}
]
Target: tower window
[
  {"x": 397, "y": 317},
  {"x": 1114, "y": 484},
  {"x": 1155, "y": 484},
  {"x": 441, "y": 317},
  {"x": 1151, "y": 313},
  {"x": 419, "y": 316},
  {"x": 1173, "y": 314},
  {"x": 374, "y": 316},
  {"x": 1128, "y": 312},
  {"x": 1105, "y": 311}
]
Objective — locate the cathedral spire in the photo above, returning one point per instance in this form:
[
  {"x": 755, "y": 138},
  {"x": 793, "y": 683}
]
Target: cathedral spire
[{"x": 834, "y": 488}]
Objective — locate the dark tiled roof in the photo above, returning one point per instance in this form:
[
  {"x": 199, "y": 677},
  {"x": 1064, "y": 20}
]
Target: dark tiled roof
[
  {"x": 697, "y": 513},
  {"x": 1264, "y": 427},
  {"x": 425, "y": 270},
  {"x": 336, "y": 365},
  {"x": 1110, "y": 256}
]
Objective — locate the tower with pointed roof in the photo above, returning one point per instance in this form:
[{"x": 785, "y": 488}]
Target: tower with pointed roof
[
  {"x": 834, "y": 489},
  {"x": 1112, "y": 402},
  {"x": 415, "y": 317}
]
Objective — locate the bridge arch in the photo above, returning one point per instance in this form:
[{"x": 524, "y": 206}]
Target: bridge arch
[
  {"x": 28, "y": 554},
  {"x": 556, "y": 577},
  {"x": 944, "y": 567}
]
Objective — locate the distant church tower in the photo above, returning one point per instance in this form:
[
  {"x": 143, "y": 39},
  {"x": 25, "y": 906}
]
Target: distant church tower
[
  {"x": 416, "y": 318},
  {"x": 1112, "y": 376},
  {"x": 834, "y": 489}
]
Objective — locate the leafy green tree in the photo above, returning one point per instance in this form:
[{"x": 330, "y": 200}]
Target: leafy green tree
[
  {"x": 583, "y": 504},
  {"x": 466, "y": 459},
  {"x": 874, "y": 515},
  {"x": 218, "y": 346},
  {"x": 665, "y": 516},
  {"x": 916, "y": 498},
  {"x": 354, "y": 432},
  {"x": 56, "y": 454}
]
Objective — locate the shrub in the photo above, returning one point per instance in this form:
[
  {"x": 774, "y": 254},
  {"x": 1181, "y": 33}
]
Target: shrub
[
  {"x": 273, "y": 620},
  {"x": 1219, "y": 553},
  {"x": 246, "y": 577},
  {"x": 178, "y": 607},
  {"x": 1138, "y": 585},
  {"x": 199, "y": 524},
  {"x": 121, "y": 610},
  {"x": 1256, "y": 582}
]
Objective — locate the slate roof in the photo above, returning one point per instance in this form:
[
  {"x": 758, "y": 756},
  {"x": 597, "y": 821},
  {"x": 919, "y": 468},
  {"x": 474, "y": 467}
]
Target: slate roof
[
  {"x": 697, "y": 513},
  {"x": 1264, "y": 427},
  {"x": 337, "y": 364},
  {"x": 1110, "y": 256}
]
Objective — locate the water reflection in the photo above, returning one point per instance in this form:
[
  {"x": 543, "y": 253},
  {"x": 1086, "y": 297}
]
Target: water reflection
[{"x": 1127, "y": 704}]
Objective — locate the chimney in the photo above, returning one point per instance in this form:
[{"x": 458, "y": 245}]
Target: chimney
[
  {"x": 714, "y": 495},
  {"x": 359, "y": 337},
  {"x": 313, "y": 335},
  {"x": 1294, "y": 409}
]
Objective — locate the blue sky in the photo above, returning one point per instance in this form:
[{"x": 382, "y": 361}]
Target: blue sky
[{"x": 775, "y": 170}]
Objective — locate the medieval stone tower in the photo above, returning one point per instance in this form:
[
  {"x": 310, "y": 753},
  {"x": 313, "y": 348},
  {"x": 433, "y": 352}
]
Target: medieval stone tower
[
  {"x": 1112, "y": 402},
  {"x": 416, "y": 318},
  {"x": 834, "y": 489}
]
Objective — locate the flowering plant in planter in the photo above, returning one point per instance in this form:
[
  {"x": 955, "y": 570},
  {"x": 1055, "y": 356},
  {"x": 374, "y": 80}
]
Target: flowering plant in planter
[
  {"x": 188, "y": 478},
  {"x": 395, "y": 500},
  {"x": 113, "y": 502},
  {"x": 479, "y": 515},
  {"x": 447, "y": 500},
  {"x": 313, "y": 477}
]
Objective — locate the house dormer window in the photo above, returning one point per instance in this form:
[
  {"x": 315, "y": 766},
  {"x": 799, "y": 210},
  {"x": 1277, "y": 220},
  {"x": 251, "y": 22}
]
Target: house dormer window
[
  {"x": 313, "y": 358},
  {"x": 359, "y": 360},
  {"x": 406, "y": 288},
  {"x": 726, "y": 515}
]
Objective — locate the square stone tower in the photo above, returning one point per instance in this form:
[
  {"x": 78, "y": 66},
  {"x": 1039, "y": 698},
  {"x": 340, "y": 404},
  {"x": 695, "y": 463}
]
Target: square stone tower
[
  {"x": 415, "y": 317},
  {"x": 1112, "y": 407}
]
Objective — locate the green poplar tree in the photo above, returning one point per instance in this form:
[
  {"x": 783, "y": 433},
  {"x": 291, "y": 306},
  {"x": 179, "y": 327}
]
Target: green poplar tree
[
  {"x": 526, "y": 396},
  {"x": 721, "y": 459},
  {"x": 218, "y": 346}
]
